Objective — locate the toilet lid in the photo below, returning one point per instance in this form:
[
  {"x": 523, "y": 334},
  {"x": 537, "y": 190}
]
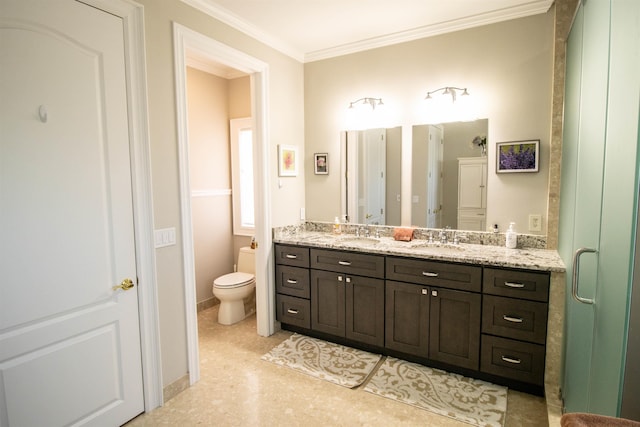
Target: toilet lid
[{"x": 233, "y": 280}]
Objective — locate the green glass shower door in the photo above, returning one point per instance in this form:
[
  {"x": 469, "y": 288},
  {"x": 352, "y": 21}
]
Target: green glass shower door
[{"x": 598, "y": 193}]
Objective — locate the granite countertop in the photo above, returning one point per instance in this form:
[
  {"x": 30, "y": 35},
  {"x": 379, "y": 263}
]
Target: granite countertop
[{"x": 486, "y": 255}]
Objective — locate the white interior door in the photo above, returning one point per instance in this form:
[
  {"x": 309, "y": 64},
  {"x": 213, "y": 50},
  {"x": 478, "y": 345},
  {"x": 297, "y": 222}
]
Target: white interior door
[
  {"x": 69, "y": 342},
  {"x": 372, "y": 167}
]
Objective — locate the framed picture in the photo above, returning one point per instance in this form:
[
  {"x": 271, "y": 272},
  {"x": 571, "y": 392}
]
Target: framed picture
[
  {"x": 321, "y": 163},
  {"x": 517, "y": 156},
  {"x": 287, "y": 160}
]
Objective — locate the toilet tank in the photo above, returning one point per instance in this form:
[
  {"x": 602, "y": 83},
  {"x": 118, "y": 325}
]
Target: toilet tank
[{"x": 247, "y": 260}]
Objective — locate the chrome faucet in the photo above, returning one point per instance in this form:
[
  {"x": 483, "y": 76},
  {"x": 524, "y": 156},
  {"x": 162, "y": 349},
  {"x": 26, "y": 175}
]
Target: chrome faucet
[
  {"x": 362, "y": 231},
  {"x": 443, "y": 235}
]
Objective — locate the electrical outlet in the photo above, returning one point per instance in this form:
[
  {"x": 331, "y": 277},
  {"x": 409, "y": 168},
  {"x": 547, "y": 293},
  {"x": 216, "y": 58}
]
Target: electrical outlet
[{"x": 535, "y": 222}]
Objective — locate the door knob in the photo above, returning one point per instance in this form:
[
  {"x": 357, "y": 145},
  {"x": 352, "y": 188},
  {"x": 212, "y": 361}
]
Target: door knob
[{"x": 125, "y": 285}]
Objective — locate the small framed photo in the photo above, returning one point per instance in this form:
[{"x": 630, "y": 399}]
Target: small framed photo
[
  {"x": 321, "y": 163},
  {"x": 518, "y": 156},
  {"x": 287, "y": 160}
]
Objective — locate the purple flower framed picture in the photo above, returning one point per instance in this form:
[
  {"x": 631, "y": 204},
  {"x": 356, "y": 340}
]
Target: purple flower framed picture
[{"x": 517, "y": 156}]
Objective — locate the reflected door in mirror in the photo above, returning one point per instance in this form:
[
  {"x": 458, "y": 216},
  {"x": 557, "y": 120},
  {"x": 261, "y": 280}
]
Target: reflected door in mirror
[
  {"x": 472, "y": 193},
  {"x": 366, "y": 174}
]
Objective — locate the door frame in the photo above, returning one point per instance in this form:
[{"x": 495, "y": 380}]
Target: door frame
[
  {"x": 132, "y": 15},
  {"x": 186, "y": 40}
]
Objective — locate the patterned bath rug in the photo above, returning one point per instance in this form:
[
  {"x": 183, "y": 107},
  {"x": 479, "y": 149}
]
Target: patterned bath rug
[
  {"x": 336, "y": 363},
  {"x": 464, "y": 399}
]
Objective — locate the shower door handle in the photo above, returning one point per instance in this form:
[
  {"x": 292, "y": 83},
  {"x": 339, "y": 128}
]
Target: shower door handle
[{"x": 575, "y": 275}]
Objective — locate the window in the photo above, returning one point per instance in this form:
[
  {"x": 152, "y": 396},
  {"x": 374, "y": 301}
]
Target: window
[{"x": 242, "y": 176}]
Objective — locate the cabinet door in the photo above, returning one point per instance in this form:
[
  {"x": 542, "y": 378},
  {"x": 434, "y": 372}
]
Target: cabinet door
[
  {"x": 407, "y": 318},
  {"x": 472, "y": 178},
  {"x": 454, "y": 328},
  {"x": 328, "y": 302},
  {"x": 365, "y": 310}
]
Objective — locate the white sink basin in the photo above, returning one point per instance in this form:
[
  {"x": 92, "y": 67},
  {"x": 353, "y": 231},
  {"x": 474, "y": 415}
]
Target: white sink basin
[
  {"x": 359, "y": 241},
  {"x": 436, "y": 247}
]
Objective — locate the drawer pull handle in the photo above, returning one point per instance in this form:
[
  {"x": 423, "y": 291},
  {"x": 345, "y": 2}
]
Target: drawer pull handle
[
  {"x": 512, "y": 319},
  {"x": 292, "y": 311},
  {"x": 292, "y": 281},
  {"x": 344, "y": 262},
  {"x": 511, "y": 360},
  {"x": 290, "y": 256},
  {"x": 429, "y": 274},
  {"x": 514, "y": 285}
]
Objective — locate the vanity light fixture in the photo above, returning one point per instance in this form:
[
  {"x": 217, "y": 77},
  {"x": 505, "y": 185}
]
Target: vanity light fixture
[
  {"x": 448, "y": 90},
  {"x": 373, "y": 102}
]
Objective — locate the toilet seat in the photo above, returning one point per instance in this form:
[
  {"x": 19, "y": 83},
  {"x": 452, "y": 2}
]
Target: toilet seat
[{"x": 233, "y": 280}]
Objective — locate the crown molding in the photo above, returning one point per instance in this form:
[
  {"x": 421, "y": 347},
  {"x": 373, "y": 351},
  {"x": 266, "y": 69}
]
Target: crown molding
[
  {"x": 215, "y": 11},
  {"x": 225, "y": 16},
  {"x": 533, "y": 8}
]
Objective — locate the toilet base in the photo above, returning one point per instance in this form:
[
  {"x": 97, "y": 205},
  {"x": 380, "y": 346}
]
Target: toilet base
[{"x": 231, "y": 312}]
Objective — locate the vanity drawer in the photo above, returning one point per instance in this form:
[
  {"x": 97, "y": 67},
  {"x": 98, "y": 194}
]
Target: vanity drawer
[
  {"x": 348, "y": 262},
  {"x": 293, "y": 311},
  {"x": 516, "y": 283},
  {"x": 517, "y": 360},
  {"x": 512, "y": 318},
  {"x": 292, "y": 281},
  {"x": 441, "y": 274},
  {"x": 295, "y": 256}
]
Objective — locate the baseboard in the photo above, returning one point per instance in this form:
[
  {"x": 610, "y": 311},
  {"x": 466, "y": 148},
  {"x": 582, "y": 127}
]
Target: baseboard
[
  {"x": 208, "y": 303},
  {"x": 175, "y": 388}
]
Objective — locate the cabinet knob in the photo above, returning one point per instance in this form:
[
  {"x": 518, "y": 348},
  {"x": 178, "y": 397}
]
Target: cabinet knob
[
  {"x": 339, "y": 278},
  {"x": 434, "y": 293},
  {"x": 348, "y": 279},
  {"x": 425, "y": 292}
]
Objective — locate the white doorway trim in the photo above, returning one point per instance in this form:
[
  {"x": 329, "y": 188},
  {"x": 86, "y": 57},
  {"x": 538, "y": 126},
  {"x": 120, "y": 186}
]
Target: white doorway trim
[
  {"x": 132, "y": 15},
  {"x": 187, "y": 40}
]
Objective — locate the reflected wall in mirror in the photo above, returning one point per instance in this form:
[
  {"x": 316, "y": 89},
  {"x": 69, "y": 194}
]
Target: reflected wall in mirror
[
  {"x": 375, "y": 179},
  {"x": 449, "y": 176}
]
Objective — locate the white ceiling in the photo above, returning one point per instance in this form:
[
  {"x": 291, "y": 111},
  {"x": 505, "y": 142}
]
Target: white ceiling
[{"x": 310, "y": 30}]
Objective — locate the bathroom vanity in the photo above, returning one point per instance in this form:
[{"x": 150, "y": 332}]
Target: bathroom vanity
[{"x": 478, "y": 310}]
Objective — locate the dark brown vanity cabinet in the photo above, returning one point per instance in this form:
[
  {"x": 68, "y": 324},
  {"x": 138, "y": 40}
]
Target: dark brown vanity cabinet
[
  {"x": 293, "y": 288},
  {"x": 514, "y": 324},
  {"x": 344, "y": 303},
  {"x": 485, "y": 319},
  {"x": 435, "y": 313}
]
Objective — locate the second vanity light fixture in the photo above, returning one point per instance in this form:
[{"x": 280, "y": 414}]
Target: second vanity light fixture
[
  {"x": 373, "y": 102},
  {"x": 448, "y": 90}
]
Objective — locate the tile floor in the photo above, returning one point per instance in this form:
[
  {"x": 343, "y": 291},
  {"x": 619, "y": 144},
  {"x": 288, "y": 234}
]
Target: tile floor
[{"x": 237, "y": 388}]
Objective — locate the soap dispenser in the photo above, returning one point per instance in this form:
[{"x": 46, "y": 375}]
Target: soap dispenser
[
  {"x": 511, "y": 240},
  {"x": 337, "y": 228}
]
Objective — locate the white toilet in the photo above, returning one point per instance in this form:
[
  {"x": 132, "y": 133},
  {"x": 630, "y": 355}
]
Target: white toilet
[{"x": 232, "y": 288}]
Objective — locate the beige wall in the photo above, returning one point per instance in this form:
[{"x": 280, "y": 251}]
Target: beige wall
[
  {"x": 506, "y": 66},
  {"x": 210, "y": 178},
  {"x": 285, "y": 126},
  {"x": 211, "y": 102}
]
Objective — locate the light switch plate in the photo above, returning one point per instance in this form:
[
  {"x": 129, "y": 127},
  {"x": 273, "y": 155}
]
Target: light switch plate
[
  {"x": 164, "y": 237},
  {"x": 535, "y": 222}
]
